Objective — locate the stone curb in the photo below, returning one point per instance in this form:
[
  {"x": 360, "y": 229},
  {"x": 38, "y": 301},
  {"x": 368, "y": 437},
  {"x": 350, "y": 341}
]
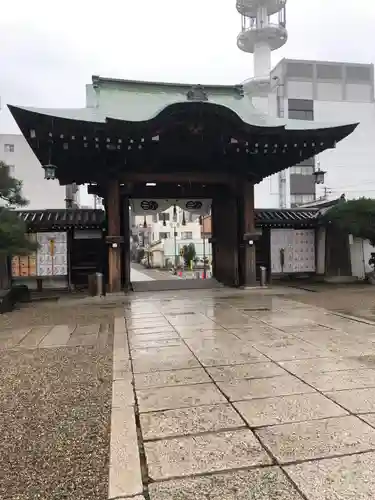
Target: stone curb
[{"x": 125, "y": 478}]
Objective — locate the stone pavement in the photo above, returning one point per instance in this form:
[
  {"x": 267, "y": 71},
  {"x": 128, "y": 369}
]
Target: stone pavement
[{"x": 241, "y": 396}]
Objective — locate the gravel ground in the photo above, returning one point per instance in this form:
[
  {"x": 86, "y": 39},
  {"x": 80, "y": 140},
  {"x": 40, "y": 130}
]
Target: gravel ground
[{"x": 55, "y": 423}]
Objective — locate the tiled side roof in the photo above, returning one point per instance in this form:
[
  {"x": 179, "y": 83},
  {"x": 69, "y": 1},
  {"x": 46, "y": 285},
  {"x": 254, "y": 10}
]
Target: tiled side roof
[
  {"x": 62, "y": 219},
  {"x": 90, "y": 218},
  {"x": 285, "y": 217}
]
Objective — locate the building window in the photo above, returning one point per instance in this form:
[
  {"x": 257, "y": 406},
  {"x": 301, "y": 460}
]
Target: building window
[
  {"x": 301, "y": 109},
  {"x": 164, "y": 236},
  {"x": 300, "y": 114},
  {"x": 9, "y": 148},
  {"x": 300, "y": 199},
  {"x": 302, "y": 170},
  {"x": 186, "y": 235},
  {"x": 165, "y": 216}
]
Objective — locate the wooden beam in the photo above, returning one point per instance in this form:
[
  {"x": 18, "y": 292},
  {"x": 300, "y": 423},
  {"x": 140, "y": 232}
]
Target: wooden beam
[
  {"x": 179, "y": 177},
  {"x": 114, "y": 232},
  {"x": 248, "y": 225}
]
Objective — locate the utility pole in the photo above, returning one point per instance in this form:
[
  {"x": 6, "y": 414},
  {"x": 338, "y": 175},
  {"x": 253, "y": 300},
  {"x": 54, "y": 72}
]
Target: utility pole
[{"x": 327, "y": 191}]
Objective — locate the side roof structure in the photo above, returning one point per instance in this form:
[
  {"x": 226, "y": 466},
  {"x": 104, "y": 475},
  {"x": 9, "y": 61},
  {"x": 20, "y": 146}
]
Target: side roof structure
[{"x": 85, "y": 218}]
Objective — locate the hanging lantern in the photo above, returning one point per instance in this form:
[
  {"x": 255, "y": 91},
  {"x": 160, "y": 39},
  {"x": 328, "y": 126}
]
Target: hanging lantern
[
  {"x": 50, "y": 171},
  {"x": 145, "y": 223},
  {"x": 164, "y": 223},
  {"x": 319, "y": 176},
  {"x": 174, "y": 213},
  {"x": 200, "y": 220},
  {"x": 183, "y": 219}
]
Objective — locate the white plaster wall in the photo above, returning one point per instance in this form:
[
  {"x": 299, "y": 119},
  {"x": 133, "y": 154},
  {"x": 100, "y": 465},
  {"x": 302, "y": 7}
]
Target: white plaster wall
[
  {"x": 357, "y": 257},
  {"x": 321, "y": 251},
  {"x": 40, "y": 192},
  {"x": 350, "y": 166},
  {"x": 358, "y": 92},
  {"x": 327, "y": 91},
  {"x": 367, "y": 250},
  {"x": 300, "y": 89}
]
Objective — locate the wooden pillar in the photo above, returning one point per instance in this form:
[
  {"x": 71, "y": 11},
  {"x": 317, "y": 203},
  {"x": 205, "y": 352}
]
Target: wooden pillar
[
  {"x": 225, "y": 235},
  {"x": 126, "y": 244},
  {"x": 114, "y": 236},
  {"x": 248, "y": 235}
]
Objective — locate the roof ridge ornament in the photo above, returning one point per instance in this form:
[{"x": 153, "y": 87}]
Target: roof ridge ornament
[{"x": 197, "y": 93}]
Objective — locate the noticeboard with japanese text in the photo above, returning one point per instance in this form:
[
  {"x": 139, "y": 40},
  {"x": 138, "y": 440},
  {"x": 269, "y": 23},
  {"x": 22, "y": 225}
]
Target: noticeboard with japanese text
[
  {"x": 52, "y": 254},
  {"x": 25, "y": 266}
]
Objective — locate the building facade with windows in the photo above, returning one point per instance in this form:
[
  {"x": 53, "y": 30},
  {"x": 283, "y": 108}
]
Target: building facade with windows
[
  {"x": 163, "y": 225},
  {"x": 24, "y": 166},
  {"x": 323, "y": 91}
]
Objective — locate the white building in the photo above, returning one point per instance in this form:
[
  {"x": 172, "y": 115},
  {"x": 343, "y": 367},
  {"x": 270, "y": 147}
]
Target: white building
[
  {"x": 324, "y": 92},
  {"x": 163, "y": 225},
  {"x": 321, "y": 91},
  {"x": 24, "y": 166}
]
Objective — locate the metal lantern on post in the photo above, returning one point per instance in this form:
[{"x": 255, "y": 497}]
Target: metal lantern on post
[
  {"x": 319, "y": 176},
  {"x": 50, "y": 171}
]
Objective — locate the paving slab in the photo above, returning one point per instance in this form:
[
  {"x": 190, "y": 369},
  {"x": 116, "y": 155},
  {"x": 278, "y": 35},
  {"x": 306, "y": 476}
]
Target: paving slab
[
  {"x": 163, "y": 358},
  {"x": 220, "y": 451},
  {"x": 173, "y": 377},
  {"x": 369, "y": 418},
  {"x": 201, "y": 332},
  {"x": 343, "y": 478},
  {"x": 195, "y": 420},
  {"x": 289, "y": 319},
  {"x": 152, "y": 336},
  {"x": 13, "y": 338},
  {"x": 59, "y": 335},
  {"x": 167, "y": 398},
  {"x": 355, "y": 400},
  {"x": 124, "y": 467},
  {"x": 322, "y": 365},
  {"x": 256, "y": 484},
  {"x": 337, "y": 381},
  {"x": 230, "y": 352},
  {"x": 290, "y": 349},
  {"x": 248, "y": 371},
  {"x": 238, "y": 390},
  {"x": 164, "y": 329},
  {"x": 285, "y": 409},
  {"x": 122, "y": 392},
  {"x": 91, "y": 329},
  {"x": 34, "y": 337},
  {"x": 318, "y": 438},
  {"x": 151, "y": 344}
]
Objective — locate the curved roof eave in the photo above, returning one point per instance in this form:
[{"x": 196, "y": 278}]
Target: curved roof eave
[{"x": 250, "y": 117}]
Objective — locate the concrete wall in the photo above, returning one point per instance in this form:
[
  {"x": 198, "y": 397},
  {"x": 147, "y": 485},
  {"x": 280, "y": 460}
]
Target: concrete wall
[
  {"x": 360, "y": 253},
  {"x": 341, "y": 93}
]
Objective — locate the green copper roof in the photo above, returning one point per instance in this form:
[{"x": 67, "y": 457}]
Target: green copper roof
[
  {"x": 244, "y": 110},
  {"x": 141, "y": 101}
]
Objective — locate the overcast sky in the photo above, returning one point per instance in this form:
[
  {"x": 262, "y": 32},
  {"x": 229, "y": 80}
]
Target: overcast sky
[{"x": 49, "y": 49}]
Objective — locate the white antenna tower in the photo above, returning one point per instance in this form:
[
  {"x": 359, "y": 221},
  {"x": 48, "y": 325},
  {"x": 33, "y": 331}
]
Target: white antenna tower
[{"x": 263, "y": 30}]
